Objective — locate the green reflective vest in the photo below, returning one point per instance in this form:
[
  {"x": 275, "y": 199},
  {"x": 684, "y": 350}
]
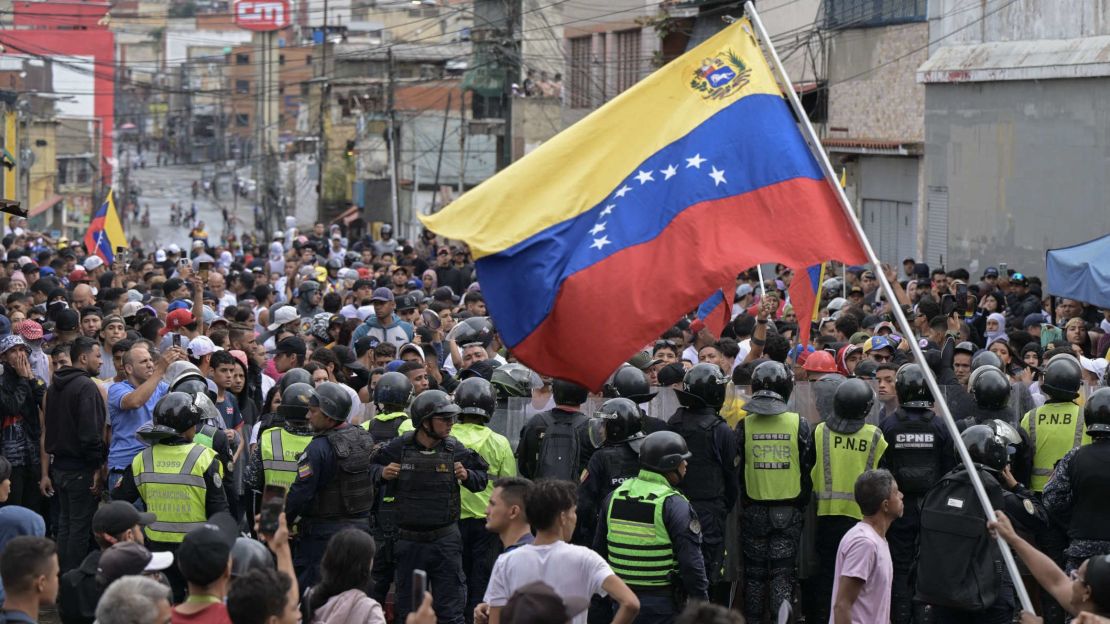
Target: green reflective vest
[
  {"x": 280, "y": 452},
  {"x": 498, "y": 453},
  {"x": 844, "y": 457},
  {"x": 1054, "y": 429},
  {"x": 170, "y": 480},
  {"x": 772, "y": 457},
  {"x": 405, "y": 426},
  {"x": 204, "y": 435},
  {"x": 640, "y": 549}
]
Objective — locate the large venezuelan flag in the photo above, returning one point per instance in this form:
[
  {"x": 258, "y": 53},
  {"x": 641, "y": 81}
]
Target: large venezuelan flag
[
  {"x": 105, "y": 231},
  {"x": 598, "y": 241}
]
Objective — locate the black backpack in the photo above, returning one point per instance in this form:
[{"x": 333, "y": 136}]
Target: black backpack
[
  {"x": 560, "y": 446},
  {"x": 958, "y": 564}
]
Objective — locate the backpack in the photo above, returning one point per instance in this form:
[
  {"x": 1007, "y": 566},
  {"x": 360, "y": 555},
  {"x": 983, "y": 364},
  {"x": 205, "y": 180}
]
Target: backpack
[
  {"x": 560, "y": 447},
  {"x": 958, "y": 565}
]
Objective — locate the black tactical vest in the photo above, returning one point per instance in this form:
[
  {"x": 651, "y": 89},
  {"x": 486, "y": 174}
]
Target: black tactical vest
[
  {"x": 621, "y": 463},
  {"x": 703, "y": 472},
  {"x": 913, "y": 445},
  {"x": 350, "y": 494},
  {"x": 427, "y": 495},
  {"x": 1090, "y": 483},
  {"x": 385, "y": 430}
]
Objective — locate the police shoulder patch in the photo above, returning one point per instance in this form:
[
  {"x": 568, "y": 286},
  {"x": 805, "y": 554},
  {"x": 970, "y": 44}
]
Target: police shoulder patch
[
  {"x": 1028, "y": 504},
  {"x": 304, "y": 471},
  {"x": 695, "y": 525},
  {"x": 216, "y": 480},
  {"x": 736, "y": 461}
]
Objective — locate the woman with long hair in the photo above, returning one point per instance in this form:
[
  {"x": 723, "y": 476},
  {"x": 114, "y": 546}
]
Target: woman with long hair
[
  {"x": 1075, "y": 332},
  {"x": 340, "y": 596}
]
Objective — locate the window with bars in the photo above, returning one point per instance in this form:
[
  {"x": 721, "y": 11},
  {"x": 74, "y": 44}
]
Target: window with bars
[
  {"x": 580, "y": 57},
  {"x": 627, "y": 59},
  {"x": 865, "y": 13}
]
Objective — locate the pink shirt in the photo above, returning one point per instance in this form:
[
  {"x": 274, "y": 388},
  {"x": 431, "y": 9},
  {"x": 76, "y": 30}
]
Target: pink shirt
[{"x": 865, "y": 555}]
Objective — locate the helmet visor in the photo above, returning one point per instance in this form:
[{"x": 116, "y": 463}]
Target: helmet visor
[{"x": 596, "y": 430}]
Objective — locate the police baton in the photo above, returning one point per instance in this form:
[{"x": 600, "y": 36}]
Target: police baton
[{"x": 888, "y": 291}]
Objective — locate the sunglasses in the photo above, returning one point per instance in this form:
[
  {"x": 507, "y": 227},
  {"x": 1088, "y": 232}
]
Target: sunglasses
[
  {"x": 881, "y": 358},
  {"x": 443, "y": 253},
  {"x": 660, "y": 344}
]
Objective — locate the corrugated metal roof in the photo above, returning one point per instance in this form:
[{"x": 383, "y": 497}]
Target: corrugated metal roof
[{"x": 1047, "y": 59}]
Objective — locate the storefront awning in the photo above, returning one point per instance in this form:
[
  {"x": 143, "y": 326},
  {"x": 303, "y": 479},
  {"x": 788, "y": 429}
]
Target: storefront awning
[{"x": 44, "y": 205}]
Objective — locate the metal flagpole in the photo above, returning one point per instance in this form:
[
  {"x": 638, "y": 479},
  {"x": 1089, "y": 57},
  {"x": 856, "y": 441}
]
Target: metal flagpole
[
  {"x": 930, "y": 379},
  {"x": 762, "y": 284}
]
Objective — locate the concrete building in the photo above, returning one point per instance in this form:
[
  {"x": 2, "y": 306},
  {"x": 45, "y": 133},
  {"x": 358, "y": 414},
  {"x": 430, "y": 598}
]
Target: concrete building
[{"x": 1017, "y": 129}]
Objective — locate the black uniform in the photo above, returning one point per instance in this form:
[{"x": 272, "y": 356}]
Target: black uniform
[
  {"x": 427, "y": 514},
  {"x": 1076, "y": 495},
  {"x": 528, "y": 453},
  {"x": 919, "y": 452},
  {"x": 333, "y": 491},
  {"x": 385, "y": 524},
  {"x": 711, "y": 477},
  {"x": 609, "y": 467}
]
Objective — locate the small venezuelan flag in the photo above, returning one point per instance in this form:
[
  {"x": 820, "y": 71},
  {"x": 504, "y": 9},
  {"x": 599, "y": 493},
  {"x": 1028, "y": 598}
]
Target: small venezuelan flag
[
  {"x": 105, "y": 231},
  {"x": 599, "y": 240}
]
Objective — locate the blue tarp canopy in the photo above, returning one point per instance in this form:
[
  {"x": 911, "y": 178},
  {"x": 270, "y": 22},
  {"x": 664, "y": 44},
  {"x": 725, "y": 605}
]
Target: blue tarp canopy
[{"x": 1081, "y": 272}]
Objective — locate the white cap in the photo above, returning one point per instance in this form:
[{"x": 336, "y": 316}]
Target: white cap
[
  {"x": 836, "y": 304},
  {"x": 160, "y": 255},
  {"x": 364, "y": 312},
  {"x": 279, "y": 235},
  {"x": 159, "y": 560},
  {"x": 173, "y": 248},
  {"x": 283, "y": 315},
  {"x": 131, "y": 308},
  {"x": 198, "y": 243},
  {"x": 202, "y": 346},
  {"x": 93, "y": 262}
]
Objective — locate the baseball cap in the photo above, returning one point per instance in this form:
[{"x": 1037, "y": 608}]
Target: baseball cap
[
  {"x": 202, "y": 346},
  {"x": 990, "y": 272},
  {"x": 113, "y": 318},
  {"x": 836, "y": 304},
  {"x": 743, "y": 290},
  {"x": 537, "y": 603},
  {"x": 127, "y": 559},
  {"x": 160, "y": 255},
  {"x": 118, "y": 516},
  {"x": 173, "y": 249},
  {"x": 66, "y": 320},
  {"x": 206, "y": 550},
  {"x": 877, "y": 342},
  {"x": 283, "y": 316},
  {"x": 92, "y": 263},
  {"x": 483, "y": 369},
  {"x": 859, "y": 338},
  {"x": 857, "y": 269},
  {"x": 1032, "y": 320},
  {"x": 78, "y": 275},
  {"x": 364, "y": 344},
  {"x": 30, "y": 330},
  {"x": 643, "y": 361},
  {"x": 292, "y": 344},
  {"x": 671, "y": 374},
  {"x": 176, "y": 320},
  {"x": 444, "y": 293},
  {"x": 382, "y": 294},
  {"x": 198, "y": 243},
  {"x": 1019, "y": 279},
  {"x": 131, "y": 308},
  {"x": 406, "y": 302},
  {"x": 886, "y": 325}
]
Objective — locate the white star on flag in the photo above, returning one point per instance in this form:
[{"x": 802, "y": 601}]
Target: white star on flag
[
  {"x": 622, "y": 191},
  {"x": 608, "y": 210},
  {"x": 695, "y": 162},
  {"x": 600, "y": 242},
  {"x": 597, "y": 229},
  {"x": 718, "y": 177},
  {"x": 668, "y": 172},
  {"x": 644, "y": 177}
]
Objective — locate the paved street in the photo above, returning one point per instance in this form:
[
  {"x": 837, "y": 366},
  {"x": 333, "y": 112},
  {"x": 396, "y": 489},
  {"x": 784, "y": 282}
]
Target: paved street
[{"x": 161, "y": 186}]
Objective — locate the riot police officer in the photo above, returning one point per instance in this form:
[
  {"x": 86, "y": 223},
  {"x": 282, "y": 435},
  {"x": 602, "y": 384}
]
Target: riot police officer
[
  {"x": 650, "y": 534},
  {"x": 1077, "y": 492},
  {"x": 630, "y": 382},
  {"x": 173, "y": 470},
  {"x": 615, "y": 431},
  {"x": 919, "y": 452},
  {"x": 844, "y": 448},
  {"x": 1057, "y": 426},
  {"x": 775, "y": 485},
  {"x": 476, "y": 400},
  {"x": 555, "y": 444},
  {"x": 428, "y": 465},
  {"x": 711, "y": 483},
  {"x": 392, "y": 396},
  {"x": 989, "y": 448},
  {"x": 990, "y": 393},
  {"x": 333, "y": 489},
  {"x": 291, "y": 376},
  {"x": 279, "y": 448}
]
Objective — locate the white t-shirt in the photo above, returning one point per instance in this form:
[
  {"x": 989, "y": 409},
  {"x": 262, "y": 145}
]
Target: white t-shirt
[{"x": 570, "y": 570}]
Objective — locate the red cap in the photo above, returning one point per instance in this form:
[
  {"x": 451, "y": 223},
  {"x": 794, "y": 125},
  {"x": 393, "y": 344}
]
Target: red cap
[
  {"x": 176, "y": 320},
  {"x": 78, "y": 275},
  {"x": 30, "y": 330}
]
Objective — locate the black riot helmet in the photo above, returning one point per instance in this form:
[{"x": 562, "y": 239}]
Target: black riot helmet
[
  {"x": 772, "y": 384},
  {"x": 990, "y": 388},
  {"x": 631, "y": 383},
  {"x": 431, "y": 404},
  {"x": 986, "y": 447},
  {"x": 851, "y": 404},
  {"x": 663, "y": 452},
  {"x": 986, "y": 358},
  {"x": 292, "y": 376},
  {"x": 703, "y": 386},
  {"x": 616, "y": 420},
  {"x": 332, "y": 400},
  {"x": 177, "y": 412},
  {"x": 191, "y": 384},
  {"x": 476, "y": 329},
  {"x": 1062, "y": 378},
  {"x": 1096, "y": 412},
  {"x": 475, "y": 395},
  {"x": 295, "y": 402},
  {"x": 512, "y": 380},
  {"x": 249, "y": 554},
  {"x": 394, "y": 390},
  {"x": 912, "y": 390},
  {"x": 866, "y": 369},
  {"x": 568, "y": 393}
]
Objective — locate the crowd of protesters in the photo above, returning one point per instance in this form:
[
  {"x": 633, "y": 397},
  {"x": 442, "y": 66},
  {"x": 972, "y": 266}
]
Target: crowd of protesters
[{"x": 151, "y": 401}]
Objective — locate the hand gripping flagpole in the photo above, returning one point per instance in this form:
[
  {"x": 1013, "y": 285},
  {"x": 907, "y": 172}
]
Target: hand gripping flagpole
[{"x": 907, "y": 331}]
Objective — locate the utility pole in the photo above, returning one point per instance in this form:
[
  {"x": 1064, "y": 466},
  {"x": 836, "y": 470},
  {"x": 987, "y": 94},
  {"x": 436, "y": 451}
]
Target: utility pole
[
  {"x": 322, "y": 143},
  {"x": 462, "y": 142},
  {"x": 439, "y": 159},
  {"x": 392, "y": 144}
]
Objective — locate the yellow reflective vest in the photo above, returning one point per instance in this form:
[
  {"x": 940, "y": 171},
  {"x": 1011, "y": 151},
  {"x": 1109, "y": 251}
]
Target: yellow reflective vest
[
  {"x": 843, "y": 457},
  {"x": 280, "y": 452},
  {"x": 1054, "y": 429},
  {"x": 170, "y": 479},
  {"x": 772, "y": 457}
]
